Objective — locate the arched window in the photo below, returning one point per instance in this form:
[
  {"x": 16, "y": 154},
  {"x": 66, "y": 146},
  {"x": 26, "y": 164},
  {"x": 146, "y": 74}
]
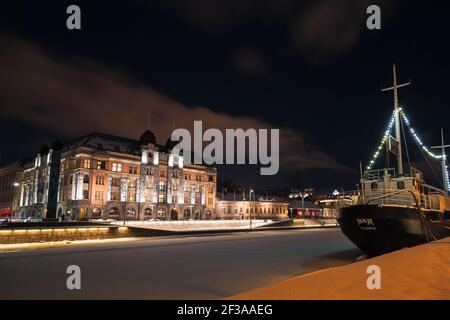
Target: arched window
[
  {"x": 161, "y": 214},
  {"x": 96, "y": 213},
  {"x": 114, "y": 213},
  {"x": 147, "y": 213},
  {"x": 131, "y": 213}
]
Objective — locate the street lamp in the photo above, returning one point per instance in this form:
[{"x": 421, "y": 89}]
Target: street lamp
[
  {"x": 304, "y": 195},
  {"x": 250, "y": 195},
  {"x": 15, "y": 184}
]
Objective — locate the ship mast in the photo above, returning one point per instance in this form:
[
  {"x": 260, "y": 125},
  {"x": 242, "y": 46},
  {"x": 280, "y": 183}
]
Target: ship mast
[
  {"x": 398, "y": 137},
  {"x": 443, "y": 160}
]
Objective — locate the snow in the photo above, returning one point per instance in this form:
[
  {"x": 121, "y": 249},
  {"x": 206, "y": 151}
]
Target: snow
[
  {"x": 187, "y": 225},
  {"x": 422, "y": 272}
]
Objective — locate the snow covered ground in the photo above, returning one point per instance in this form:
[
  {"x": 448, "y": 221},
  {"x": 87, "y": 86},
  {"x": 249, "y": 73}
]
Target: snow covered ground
[{"x": 421, "y": 272}]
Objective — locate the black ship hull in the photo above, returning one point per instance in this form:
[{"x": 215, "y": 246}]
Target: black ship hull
[{"x": 381, "y": 229}]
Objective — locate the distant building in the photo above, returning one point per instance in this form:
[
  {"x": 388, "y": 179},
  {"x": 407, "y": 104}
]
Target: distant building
[
  {"x": 105, "y": 176},
  {"x": 237, "y": 206},
  {"x": 308, "y": 210},
  {"x": 10, "y": 176}
]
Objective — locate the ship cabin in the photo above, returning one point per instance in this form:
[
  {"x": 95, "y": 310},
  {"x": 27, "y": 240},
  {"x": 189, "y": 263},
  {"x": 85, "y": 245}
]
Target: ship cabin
[{"x": 385, "y": 187}]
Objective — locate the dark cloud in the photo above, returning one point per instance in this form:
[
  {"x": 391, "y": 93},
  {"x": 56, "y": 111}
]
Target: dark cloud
[
  {"x": 222, "y": 14},
  {"x": 250, "y": 62},
  {"x": 326, "y": 28},
  {"x": 75, "y": 97},
  {"x": 318, "y": 29}
]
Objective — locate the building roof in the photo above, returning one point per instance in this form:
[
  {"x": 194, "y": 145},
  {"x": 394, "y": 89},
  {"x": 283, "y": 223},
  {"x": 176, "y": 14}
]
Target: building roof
[
  {"x": 295, "y": 204},
  {"x": 245, "y": 197},
  {"x": 107, "y": 142},
  {"x": 147, "y": 137},
  {"x": 102, "y": 141}
]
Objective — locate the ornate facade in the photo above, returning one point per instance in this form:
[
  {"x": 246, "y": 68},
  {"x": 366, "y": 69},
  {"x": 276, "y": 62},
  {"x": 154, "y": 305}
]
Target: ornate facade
[
  {"x": 108, "y": 177},
  {"x": 238, "y": 207}
]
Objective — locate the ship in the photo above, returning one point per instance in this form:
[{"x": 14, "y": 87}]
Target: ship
[{"x": 395, "y": 208}]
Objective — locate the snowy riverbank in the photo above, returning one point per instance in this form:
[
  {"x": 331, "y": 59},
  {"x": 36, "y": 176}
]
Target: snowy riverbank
[{"x": 422, "y": 272}]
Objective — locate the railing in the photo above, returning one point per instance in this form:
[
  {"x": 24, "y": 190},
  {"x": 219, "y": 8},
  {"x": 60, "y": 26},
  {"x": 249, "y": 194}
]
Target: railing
[
  {"x": 405, "y": 198},
  {"x": 380, "y": 173}
]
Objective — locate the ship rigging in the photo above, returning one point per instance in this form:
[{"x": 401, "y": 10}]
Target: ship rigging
[
  {"x": 396, "y": 209},
  {"x": 394, "y": 145}
]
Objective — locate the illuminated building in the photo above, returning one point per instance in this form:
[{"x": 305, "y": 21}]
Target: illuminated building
[
  {"x": 237, "y": 206},
  {"x": 108, "y": 177},
  {"x": 9, "y": 187}
]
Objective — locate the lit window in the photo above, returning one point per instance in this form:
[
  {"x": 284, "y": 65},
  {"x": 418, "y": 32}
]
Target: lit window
[
  {"x": 115, "y": 196},
  {"x": 117, "y": 167},
  {"x": 100, "y": 180},
  {"x": 115, "y": 182},
  {"x": 101, "y": 165}
]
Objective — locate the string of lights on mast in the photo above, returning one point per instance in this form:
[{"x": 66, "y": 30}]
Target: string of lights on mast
[
  {"x": 395, "y": 120},
  {"x": 413, "y": 132},
  {"x": 383, "y": 141}
]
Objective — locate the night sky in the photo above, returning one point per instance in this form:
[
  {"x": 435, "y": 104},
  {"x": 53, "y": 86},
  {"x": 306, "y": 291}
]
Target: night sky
[{"x": 310, "y": 68}]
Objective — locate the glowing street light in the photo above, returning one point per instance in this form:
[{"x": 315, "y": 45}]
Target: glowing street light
[{"x": 250, "y": 194}]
